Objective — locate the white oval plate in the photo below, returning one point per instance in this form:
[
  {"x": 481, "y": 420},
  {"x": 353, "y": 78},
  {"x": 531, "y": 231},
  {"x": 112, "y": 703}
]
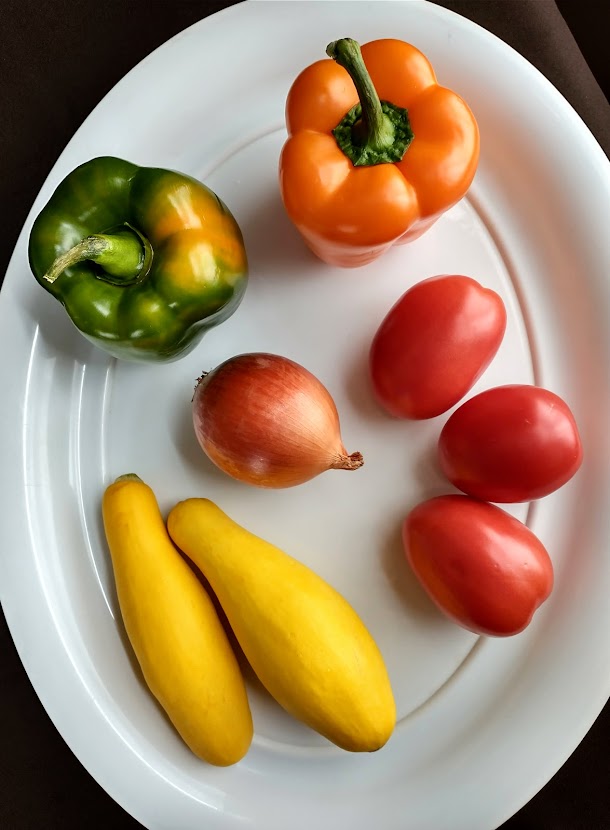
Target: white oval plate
[{"x": 483, "y": 723}]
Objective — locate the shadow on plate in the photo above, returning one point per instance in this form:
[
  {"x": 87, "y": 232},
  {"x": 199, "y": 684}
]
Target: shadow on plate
[
  {"x": 185, "y": 441},
  {"x": 274, "y": 246},
  {"x": 401, "y": 578}
]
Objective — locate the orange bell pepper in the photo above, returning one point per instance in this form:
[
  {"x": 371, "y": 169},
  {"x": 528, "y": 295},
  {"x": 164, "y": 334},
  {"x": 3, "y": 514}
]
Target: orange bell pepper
[{"x": 358, "y": 174}]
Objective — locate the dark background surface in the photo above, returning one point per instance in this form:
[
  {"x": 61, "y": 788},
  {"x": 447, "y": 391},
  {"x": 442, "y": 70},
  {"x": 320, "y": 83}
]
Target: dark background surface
[{"x": 57, "y": 60}]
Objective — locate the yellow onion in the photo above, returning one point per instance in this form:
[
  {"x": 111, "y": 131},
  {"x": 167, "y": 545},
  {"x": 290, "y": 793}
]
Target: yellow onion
[{"x": 265, "y": 420}]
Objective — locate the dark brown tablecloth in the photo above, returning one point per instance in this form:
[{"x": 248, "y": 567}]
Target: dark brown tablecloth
[{"x": 57, "y": 60}]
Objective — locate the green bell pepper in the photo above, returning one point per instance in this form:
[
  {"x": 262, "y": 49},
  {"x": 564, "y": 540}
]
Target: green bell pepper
[{"x": 144, "y": 260}]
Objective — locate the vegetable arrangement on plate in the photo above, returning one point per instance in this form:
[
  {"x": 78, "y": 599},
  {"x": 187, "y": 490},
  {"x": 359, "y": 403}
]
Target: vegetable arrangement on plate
[{"x": 145, "y": 260}]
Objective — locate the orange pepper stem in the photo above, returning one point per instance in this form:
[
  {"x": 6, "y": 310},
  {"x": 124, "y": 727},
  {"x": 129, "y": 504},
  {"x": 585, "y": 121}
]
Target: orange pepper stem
[{"x": 374, "y": 131}]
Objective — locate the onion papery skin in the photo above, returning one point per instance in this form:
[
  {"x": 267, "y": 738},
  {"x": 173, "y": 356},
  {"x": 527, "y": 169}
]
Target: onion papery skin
[{"x": 267, "y": 421}]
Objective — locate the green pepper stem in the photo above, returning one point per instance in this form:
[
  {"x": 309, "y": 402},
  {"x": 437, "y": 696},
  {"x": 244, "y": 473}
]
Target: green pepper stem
[
  {"x": 122, "y": 256},
  {"x": 375, "y": 129}
]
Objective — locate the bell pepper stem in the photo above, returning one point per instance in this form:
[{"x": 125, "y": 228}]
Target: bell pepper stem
[
  {"x": 374, "y": 131},
  {"x": 122, "y": 256},
  {"x": 375, "y": 128}
]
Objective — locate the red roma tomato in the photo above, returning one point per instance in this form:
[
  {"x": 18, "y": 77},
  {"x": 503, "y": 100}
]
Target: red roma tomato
[
  {"x": 510, "y": 444},
  {"x": 482, "y": 567},
  {"x": 435, "y": 342}
]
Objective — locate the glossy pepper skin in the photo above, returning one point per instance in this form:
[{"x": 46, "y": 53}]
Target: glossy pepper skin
[
  {"x": 154, "y": 258},
  {"x": 348, "y": 214}
]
